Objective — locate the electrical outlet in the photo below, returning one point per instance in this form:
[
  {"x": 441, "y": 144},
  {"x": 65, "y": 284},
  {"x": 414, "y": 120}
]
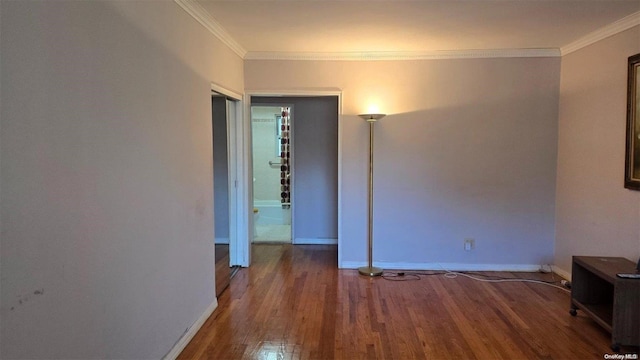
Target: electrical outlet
[{"x": 469, "y": 244}]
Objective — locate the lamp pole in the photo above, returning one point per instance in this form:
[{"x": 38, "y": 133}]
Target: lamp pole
[{"x": 370, "y": 270}]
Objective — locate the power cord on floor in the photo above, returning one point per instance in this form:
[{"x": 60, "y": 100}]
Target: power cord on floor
[
  {"x": 453, "y": 274},
  {"x": 413, "y": 276}
]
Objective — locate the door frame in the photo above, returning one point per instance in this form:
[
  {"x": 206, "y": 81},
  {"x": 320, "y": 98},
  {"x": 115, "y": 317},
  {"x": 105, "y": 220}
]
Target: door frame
[{"x": 246, "y": 161}]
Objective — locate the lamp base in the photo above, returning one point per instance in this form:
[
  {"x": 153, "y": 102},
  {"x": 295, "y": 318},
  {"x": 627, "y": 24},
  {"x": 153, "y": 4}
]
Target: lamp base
[{"x": 370, "y": 271}]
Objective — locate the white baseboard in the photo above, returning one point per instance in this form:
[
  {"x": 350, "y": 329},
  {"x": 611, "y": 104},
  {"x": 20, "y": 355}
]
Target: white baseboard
[
  {"x": 222, "y": 241},
  {"x": 565, "y": 274},
  {"x": 189, "y": 334},
  {"x": 315, "y": 241},
  {"x": 443, "y": 266}
]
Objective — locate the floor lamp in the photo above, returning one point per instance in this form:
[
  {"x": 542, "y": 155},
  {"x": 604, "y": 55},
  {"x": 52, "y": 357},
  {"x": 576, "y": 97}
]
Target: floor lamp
[{"x": 370, "y": 270}]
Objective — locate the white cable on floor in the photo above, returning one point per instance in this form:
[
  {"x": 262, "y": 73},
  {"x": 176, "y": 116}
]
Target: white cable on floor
[{"x": 454, "y": 274}]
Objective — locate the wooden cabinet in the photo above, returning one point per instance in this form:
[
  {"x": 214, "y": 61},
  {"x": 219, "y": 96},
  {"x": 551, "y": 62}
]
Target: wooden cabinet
[{"x": 612, "y": 302}]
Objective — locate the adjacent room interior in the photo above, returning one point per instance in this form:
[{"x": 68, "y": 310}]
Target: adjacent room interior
[{"x": 502, "y": 149}]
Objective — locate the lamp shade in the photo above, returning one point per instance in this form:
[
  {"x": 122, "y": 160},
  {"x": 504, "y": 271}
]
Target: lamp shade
[{"x": 372, "y": 117}]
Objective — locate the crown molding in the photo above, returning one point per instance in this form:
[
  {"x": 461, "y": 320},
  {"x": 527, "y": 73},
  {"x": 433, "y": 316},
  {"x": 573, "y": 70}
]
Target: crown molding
[
  {"x": 193, "y": 8},
  {"x": 619, "y": 26},
  {"x": 403, "y": 55},
  {"x": 203, "y": 17}
]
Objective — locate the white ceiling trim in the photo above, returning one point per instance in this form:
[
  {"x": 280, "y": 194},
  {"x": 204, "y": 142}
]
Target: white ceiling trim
[
  {"x": 621, "y": 25},
  {"x": 403, "y": 55},
  {"x": 202, "y": 16}
]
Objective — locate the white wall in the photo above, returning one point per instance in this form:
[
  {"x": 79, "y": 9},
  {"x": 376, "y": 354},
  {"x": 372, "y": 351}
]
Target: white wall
[
  {"x": 468, "y": 150},
  {"x": 596, "y": 215},
  {"x": 106, "y": 176}
]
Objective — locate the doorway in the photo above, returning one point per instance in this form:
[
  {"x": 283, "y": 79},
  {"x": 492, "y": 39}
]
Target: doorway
[
  {"x": 271, "y": 135},
  {"x": 224, "y": 189},
  {"x": 313, "y": 163}
]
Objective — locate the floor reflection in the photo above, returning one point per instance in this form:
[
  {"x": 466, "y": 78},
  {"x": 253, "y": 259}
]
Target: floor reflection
[{"x": 223, "y": 271}]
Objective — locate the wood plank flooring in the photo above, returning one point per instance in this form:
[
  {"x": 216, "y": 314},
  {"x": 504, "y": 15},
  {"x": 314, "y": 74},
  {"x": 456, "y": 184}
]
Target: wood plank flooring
[
  {"x": 223, "y": 271},
  {"x": 293, "y": 303}
]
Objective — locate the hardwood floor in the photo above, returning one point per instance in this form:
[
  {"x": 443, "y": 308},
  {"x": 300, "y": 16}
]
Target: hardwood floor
[
  {"x": 223, "y": 271},
  {"x": 293, "y": 303}
]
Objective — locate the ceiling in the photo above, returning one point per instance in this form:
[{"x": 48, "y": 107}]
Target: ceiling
[{"x": 349, "y": 26}]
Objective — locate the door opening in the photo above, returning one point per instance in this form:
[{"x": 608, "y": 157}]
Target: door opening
[
  {"x": 312, "y": 185},
  {"x": 225, "y": 118},
  {"x": 272, "y": 151}
]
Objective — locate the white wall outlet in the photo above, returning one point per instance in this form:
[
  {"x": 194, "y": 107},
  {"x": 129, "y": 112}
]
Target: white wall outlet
[{"x": 469, "y": 244}]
